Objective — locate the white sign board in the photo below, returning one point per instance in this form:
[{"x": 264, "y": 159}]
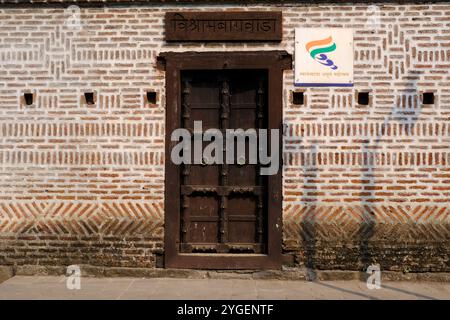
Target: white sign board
[{"x": 323, "y": 57}]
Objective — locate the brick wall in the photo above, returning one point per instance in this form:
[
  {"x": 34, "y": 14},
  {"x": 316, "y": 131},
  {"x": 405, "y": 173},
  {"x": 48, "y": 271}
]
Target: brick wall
[{"x": 84, "y": 183}]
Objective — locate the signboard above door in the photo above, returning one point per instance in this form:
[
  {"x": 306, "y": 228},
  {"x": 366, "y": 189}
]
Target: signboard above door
[
  {"x": 324, "y": 57},
  {"x": 223, "y": 26}
]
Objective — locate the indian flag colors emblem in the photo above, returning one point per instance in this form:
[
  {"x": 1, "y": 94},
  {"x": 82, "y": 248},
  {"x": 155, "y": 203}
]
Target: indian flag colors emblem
[{"x": 318, "y": 50}]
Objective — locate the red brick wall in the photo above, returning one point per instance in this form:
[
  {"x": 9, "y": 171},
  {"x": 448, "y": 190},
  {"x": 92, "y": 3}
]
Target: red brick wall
[{"x": 84, "y": 183}]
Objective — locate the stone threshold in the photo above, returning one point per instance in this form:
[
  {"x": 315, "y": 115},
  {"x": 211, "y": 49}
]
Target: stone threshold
[{"x": 299, "y": 274}]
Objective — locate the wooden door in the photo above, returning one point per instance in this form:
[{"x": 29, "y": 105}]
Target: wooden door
[
  {"x": 222, "y": 216},
  {"x": 223, "y": 206}
]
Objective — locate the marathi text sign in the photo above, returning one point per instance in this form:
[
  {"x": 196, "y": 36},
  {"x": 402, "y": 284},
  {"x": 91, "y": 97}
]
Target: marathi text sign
[
  {"x": 323, "y": 57},
  {"x": 223, "y": 26}
]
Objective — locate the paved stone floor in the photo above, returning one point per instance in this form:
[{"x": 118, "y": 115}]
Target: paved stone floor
[{"x": 40, "y": 287}]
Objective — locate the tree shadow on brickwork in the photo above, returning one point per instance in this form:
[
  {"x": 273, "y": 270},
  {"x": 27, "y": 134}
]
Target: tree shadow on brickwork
[
  {"x": 405, "y": 116},
  {"x": 308, "y": 222}
]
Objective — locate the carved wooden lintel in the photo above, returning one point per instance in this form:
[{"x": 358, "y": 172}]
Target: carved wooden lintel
[{"x": 224, "y": 26}]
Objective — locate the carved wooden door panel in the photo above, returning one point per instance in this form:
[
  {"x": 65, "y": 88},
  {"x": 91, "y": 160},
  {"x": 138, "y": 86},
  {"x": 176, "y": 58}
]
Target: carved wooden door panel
[
  {"x": 223, "y": 207},
  {"x": 223, "y": 216}
]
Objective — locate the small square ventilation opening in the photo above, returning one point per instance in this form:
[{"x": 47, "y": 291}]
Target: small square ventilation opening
[
  {"x": 151, "y": 97},
  {"x": 428, "y": 98},
  {"x": 298, "y": 98},
  {"x": 89, "y": 97},
  {"x": 28, "y": 97},
  {"x": 363, "y": 98}
]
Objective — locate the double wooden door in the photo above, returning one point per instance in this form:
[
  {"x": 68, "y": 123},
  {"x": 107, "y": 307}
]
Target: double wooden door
[
  {"x": 223, "y": 207},
  {"x": 227, "y": 215}
]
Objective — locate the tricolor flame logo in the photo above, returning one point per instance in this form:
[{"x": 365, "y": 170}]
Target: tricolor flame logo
[{"x": 318, "y": 48}]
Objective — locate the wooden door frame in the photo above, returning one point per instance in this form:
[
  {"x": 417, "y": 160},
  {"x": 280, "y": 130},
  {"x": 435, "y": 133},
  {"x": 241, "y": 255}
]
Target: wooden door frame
[{"x": 174, "y": 62}]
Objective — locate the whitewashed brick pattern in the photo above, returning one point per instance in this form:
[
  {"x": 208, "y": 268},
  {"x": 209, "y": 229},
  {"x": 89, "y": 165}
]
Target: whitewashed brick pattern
[{"x": 85, "y": 182}]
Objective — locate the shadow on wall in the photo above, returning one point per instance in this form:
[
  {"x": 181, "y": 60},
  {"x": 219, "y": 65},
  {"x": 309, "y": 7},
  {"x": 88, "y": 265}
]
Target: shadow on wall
[
  {"x": 308, "y": 223},
  {"x": 398, "y": 114}
]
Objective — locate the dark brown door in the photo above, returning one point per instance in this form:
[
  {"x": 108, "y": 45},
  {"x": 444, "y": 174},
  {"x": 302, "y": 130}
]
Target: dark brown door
[
  {"x": 223, "y": 207},
  {"x": 223, "y": 216}
]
